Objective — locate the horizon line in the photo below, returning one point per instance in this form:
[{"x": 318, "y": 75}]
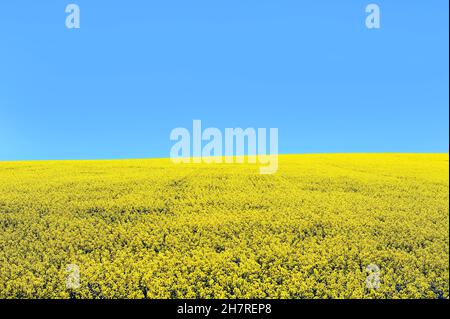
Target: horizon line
[{"x": 191, "y": 157}]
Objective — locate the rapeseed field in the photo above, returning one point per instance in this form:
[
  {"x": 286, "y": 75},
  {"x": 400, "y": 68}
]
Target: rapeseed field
[{"x": 153, "y": 229}]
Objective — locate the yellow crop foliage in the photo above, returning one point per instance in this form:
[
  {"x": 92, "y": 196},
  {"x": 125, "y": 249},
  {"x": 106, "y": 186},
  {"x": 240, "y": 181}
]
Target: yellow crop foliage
[{"x": 153, "y": 229}]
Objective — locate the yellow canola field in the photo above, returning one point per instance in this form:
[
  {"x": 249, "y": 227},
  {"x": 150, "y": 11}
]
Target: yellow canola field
[{"x": 153, "y": 229}]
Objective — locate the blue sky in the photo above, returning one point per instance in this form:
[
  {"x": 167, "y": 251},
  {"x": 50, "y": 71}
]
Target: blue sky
[{"x": 136, "y": 69}]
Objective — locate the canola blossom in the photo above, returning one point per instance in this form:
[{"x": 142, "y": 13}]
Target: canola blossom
[{"x": 323, "y": 226}]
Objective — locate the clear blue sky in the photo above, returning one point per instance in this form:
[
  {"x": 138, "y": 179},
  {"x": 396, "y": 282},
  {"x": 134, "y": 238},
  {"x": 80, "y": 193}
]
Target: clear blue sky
[{"x": 137, "y": 69}]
